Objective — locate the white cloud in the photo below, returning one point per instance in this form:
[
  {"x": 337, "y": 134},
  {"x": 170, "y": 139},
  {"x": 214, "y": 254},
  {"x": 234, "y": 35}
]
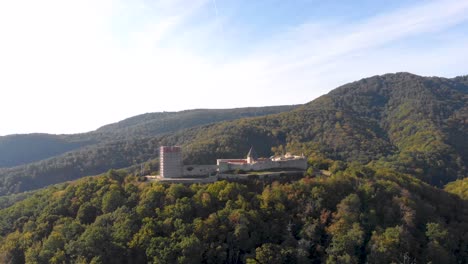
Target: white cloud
[{"x": 69, "y": 66}]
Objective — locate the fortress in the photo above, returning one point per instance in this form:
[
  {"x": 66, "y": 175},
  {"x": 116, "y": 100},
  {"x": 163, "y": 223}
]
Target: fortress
[{"x": 173, "y": 170}]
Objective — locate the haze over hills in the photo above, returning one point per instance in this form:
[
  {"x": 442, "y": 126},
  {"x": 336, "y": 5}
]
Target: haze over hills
[
  {"x": 20, "y": 149},
  {"x": 409, "y": 123}
]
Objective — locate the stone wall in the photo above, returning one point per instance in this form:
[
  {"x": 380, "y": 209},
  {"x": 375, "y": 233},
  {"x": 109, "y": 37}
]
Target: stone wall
[
  {"x": 199, "y": 170},
  {"x": 189, "y": 180},
  {"x": 300, "y": 164},
  {"x": 270, "y": 176}
]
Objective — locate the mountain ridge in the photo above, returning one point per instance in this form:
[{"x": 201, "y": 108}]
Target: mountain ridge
[
  {"x": 356, "y": 123},
  {"x": 20, "y": 149},
  {"x": 413, "y": 124}
]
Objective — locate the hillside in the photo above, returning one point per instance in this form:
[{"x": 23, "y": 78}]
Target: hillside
[
  {"x": 412, "y": 124},
  {"x": 359, "y": 215},
  {"x": 21, "y": 149},
  {"x": 154, "y": 124},
  {"x": 36, "y": 160}
]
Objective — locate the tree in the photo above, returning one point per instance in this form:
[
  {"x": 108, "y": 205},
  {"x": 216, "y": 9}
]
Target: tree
[
  {"x": 112, "y": 200},
  {"x": 386, "y": 247},
  {"x": 437, "y": 248},
  {"x": 87, "y": 213},
  {"x": 268, "y": 254}
]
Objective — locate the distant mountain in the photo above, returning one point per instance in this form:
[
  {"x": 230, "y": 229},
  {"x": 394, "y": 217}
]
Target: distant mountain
[
  {"x": 153, "y": 124},
  {"x": 21, "y": 149},
  {"x": 36, "y": 160}
]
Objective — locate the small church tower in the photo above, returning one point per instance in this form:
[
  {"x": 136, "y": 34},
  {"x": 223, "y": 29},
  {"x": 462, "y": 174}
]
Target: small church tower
[{"x": 252, "y": 156}]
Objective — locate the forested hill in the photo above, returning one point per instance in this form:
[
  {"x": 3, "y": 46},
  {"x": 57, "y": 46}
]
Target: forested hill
[
  {"x": 22, "y": 149},
  {"x": 413, "y": 124},
  {"x": 153, "y": 124},
  {"x": 35, "y": 160},
  {"x": 358, "y": 215}
]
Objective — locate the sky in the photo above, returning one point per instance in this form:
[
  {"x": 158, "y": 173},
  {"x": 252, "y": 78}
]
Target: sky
[{"x": 72, "y": 66}]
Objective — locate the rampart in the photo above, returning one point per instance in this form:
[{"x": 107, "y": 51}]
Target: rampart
[
  {"x": 199, "y": 170},
  {"x": 300, "y": 164}
]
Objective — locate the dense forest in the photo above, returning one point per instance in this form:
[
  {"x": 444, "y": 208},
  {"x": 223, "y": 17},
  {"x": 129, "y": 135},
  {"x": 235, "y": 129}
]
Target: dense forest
[{"x": 360, "y": 214}]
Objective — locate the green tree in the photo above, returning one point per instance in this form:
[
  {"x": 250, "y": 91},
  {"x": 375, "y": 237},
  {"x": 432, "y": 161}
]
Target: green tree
[
  {"x": 87, "y": 213},
  {"x": 112, "y": 200},
  {"x": 268, "y": 254}
]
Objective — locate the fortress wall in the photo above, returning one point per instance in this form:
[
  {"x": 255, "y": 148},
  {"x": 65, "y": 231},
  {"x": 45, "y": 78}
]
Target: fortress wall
[
  {"x": 189, "y": 180},
  {"x": 264, "y": 165},
  {"x": 270, "y": 175},
  {"x": 296, "y": 164},
  {"x": 199, "y": 170}
]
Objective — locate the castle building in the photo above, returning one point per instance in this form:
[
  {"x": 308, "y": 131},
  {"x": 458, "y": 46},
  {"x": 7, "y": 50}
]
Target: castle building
[
  {"x": 253, "y": 163},
  {"x": 172, "y": 168},
  {"x": 171, "y": 162}
]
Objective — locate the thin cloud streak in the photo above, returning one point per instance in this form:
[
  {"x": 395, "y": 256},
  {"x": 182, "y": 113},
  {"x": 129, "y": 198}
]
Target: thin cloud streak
[{"x": 372, "y": 33}]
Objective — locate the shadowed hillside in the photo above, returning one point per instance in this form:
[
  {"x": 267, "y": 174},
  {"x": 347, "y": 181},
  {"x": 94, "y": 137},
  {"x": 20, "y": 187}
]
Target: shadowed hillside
[{"x": 20, "y": 149}]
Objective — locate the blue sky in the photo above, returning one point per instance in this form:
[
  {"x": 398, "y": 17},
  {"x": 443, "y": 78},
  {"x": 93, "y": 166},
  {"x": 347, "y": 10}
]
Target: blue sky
[{"x": 72, "y": 66}]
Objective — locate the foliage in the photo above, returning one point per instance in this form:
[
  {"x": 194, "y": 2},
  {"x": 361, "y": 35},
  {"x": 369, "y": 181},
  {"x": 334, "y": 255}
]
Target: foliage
[
  {"x": 357, "y": 215},
  {"x": 458, "y": 187}
]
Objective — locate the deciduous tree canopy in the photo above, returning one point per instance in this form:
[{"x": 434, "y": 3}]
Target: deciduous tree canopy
[{"x": 358, "y": 215}]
